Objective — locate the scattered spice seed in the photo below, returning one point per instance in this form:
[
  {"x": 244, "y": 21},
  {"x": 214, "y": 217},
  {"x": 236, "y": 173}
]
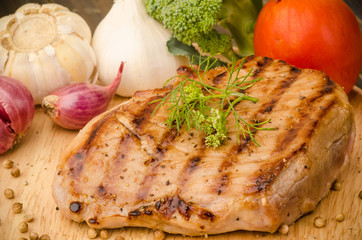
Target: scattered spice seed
[
  {"x": 158, "y": 235},
  {"x": 28, "y": 218},
  {"x": 284, "y": 229},
  {"x": 9, "y": 193},
  {"x": 17, "y": 207},
  {"x": 15, "y": 172},
  {"x": 92, "y": 233},
  {"x": 319, "y": 222},
  {"x": 336, "y": 186},
  {"x": 103, "y": 234},
  {"x": 8, "y": 164},
  {"x": 33, "y": 236},
  {"x": 44, "y": 237},
  {"x": 23, "y": 227},
  {"x": 340, "y": 217}
]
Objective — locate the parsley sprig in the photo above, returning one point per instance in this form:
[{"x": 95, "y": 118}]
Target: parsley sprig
[{"x": 195, "y": 104}]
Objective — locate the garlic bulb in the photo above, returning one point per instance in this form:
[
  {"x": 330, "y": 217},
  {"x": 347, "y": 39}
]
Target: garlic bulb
[
  {"x": 129, "y": 34},
  {"x": 46, "y": 47}
]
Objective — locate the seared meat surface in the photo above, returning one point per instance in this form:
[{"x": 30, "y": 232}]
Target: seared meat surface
[{"x": 127, "y": 168}]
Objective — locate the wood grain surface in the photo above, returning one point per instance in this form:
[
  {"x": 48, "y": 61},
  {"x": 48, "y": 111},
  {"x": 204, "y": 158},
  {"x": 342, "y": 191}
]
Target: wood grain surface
[{"x": 37, "y": 157}]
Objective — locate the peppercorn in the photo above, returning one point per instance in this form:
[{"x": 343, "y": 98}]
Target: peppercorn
[
  {"x": 8, "y": 164},
  {"x": 23, "y": 227},
  {"x": 17, "y": 207},
  {"x": 319, "y": 222},
  {"x": 9, "y": 193},
  {"x": 33, "y": 236},
  {"x": 15, "y": 172},
  {"x": 92, "y": 233}
]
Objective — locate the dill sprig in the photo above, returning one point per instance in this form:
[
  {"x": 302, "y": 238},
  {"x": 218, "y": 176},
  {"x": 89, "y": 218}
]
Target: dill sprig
[{"x": 196, "y": 104}]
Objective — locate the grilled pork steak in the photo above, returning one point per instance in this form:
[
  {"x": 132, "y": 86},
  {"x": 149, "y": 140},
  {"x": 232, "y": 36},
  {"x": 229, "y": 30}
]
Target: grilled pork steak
[{"x": 126, "y": 168}]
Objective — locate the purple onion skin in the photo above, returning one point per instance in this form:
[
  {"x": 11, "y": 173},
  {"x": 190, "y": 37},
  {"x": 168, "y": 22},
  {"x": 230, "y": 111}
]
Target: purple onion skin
[
  {"x": 16, "y": 112},
  {"x": 78, "y": 103}
]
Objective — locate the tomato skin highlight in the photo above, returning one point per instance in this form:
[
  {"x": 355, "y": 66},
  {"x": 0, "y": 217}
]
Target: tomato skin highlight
[{"x": 315, "y": 34}]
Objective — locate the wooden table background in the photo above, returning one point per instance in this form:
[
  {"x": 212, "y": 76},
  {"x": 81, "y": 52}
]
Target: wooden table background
[{"x": 39, "y": 151}]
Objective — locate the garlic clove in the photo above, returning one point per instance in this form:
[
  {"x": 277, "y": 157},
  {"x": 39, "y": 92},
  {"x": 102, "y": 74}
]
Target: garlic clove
[
  {"x": 73, "y": 23},
  {"x": 53, "y": 7},
  {"x": 65, "y": 47}
]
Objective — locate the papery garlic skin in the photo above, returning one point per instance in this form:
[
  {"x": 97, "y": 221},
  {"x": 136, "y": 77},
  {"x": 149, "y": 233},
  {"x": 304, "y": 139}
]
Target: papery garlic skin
[
  {"x": 46, "y": 47},
  {"x": 129, "y": 34}
]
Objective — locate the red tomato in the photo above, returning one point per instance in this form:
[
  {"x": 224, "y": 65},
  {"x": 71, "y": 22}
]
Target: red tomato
[{"x": 316, "y": 34}]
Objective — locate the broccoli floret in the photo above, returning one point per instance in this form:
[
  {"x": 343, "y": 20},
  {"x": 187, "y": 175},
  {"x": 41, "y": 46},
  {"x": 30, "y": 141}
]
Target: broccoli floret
[{"x": 194, "y": 21}]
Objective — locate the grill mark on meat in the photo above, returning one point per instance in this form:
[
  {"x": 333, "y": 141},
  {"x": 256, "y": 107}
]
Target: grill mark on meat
[
  {"x": 167, "y": 208},
  {"x": 76, "y": 163},
  {"x": 155, "y": 163},
  {"x": 167, "y": 138},
  {"x": 219, "y": 77},
  {"x": 188, "y": 169},
  {"x": 186, "y": 71},
  {"x": 261, "y": 66},
  {"x": 147, "y": 181},
  {"x": 98, "y": 125},
  {"x": 268, "y": 172},
  {"x": 143, "y": 114}
]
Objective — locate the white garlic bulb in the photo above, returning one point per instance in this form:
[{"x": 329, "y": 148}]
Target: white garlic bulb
[
  {"x": 129, "y": 34},
  {"x": 46, "y": 47}
]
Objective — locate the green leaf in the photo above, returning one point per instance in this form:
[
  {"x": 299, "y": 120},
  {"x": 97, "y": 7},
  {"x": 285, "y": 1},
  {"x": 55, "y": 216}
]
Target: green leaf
[{"x": 179, "y": 48}]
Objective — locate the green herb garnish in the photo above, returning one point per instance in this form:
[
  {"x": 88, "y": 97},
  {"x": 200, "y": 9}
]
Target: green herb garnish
[{"x": 204, "y": 107}]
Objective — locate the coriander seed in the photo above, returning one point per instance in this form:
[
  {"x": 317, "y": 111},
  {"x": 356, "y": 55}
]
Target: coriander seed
[
  {"x": 92, "y": 233},
  {"x": 23, "y": 227},
  {"x": 340, "y": 217},
  {"x": 319, "y": 222},
  {"x": 28, "y": 218},
  {"x": 8, "y": 164},
  {"x": 44, "y": 237},
  {"x": 9, "y": 193},
  {"x": 15, "y": 172},
  {"x": 103, "y": 234},
  {"x": 158, "y": 235},
  {"x": 33, "y": 236},
  {"x": 17, "y": 207},
  {"x": 337, "y": 186},
  {"x": 284, "y": 229}
]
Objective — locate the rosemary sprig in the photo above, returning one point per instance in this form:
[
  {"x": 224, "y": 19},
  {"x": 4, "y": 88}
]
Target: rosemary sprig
[{"x": 188, "y": 105}]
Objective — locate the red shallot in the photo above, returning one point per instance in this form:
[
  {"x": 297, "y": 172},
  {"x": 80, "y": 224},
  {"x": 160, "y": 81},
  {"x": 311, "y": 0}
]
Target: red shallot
[
  {"x": 16, "y": 112},
  {"x": 73, "y": 106}
]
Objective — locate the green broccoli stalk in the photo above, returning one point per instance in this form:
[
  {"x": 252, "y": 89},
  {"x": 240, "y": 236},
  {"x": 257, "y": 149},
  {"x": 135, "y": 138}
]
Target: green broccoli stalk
[{"x": 212, "y": 24}]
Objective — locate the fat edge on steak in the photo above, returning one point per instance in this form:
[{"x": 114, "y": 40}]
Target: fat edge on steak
[{"x": 126, "y": 168}]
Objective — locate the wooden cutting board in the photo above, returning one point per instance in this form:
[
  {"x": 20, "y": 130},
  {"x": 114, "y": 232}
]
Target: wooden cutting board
[{"x": 37, "y": 158}]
